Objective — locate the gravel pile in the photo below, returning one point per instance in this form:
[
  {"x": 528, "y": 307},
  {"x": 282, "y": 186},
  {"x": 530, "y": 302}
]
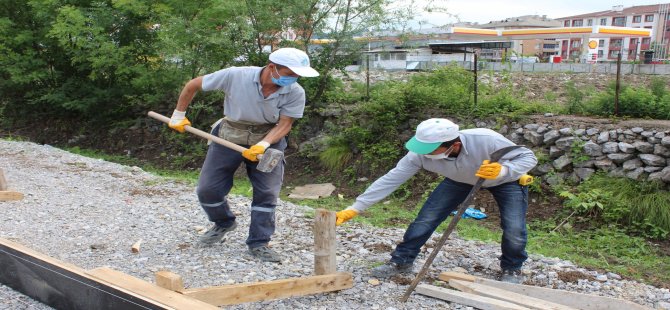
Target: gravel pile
[{"x": 89, "y": 212}]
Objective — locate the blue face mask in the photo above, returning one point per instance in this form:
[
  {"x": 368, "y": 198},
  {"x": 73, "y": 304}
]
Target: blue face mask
[{"x": 283, "y": 80}]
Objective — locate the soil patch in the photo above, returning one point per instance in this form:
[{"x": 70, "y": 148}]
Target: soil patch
[{"x": 573, "y": 276}]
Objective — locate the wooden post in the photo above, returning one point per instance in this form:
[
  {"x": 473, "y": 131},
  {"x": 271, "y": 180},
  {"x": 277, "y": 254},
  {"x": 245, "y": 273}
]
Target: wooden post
[
  {"x": 475, "y": 81},
  {"x": 169, "y": 280},
  {"x": 617, "y": 88},
  {"x": 6, "y": 195},
  {"x": 324, "y": 242},
  {"x": 3, "y": 182}
]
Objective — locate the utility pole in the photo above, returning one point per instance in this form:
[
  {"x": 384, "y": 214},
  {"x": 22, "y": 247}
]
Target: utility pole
[
  {"x": 521, "y": 57},
  {"x": 367, "y": 76},
  {"x": 475, "y": 80},
  {"x": 618, "y": 84}
]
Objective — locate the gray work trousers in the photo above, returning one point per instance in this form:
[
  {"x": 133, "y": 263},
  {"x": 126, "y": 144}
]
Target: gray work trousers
[{"x": 216, "y": 180}]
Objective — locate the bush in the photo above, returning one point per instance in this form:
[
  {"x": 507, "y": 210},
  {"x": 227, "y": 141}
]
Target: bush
[
  {"x": 633, "y": 102},
  {"x": 640, "y": 207}
]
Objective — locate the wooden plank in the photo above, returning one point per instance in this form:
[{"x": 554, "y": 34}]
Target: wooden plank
[
  {"x": 3, "y": 181},
  {"x": 467, "y": 299},
  {"x": 448, "y": 275},
  {"x": 325, "y": 242},
  {"x": 10, "y": 195},
  {"x": 173, "y": 299},
  {"x": 169, "y": 280},
  {"x": 269, "y": 290},
  {"x": 61, "y": 285},
  {"x": 488, "y": 291},
  {"x": 572, "y": 299}
]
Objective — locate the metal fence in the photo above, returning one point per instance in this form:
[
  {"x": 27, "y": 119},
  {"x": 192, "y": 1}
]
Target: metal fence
[{"x": 659, "y": 69}]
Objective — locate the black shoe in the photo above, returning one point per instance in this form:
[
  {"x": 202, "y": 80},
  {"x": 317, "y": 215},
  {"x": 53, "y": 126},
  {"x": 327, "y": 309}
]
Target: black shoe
[
  {"x": 512, "y": 276},
  {"x": 266, "y": 254},
  {"x": 215, "y": 234},
  {"x": 390, "y": 269}
]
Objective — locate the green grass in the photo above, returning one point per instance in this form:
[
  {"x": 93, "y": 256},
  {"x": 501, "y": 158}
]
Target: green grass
[
  {"x": 606, "y": 248},
  {"x": 189, "y": 176}
]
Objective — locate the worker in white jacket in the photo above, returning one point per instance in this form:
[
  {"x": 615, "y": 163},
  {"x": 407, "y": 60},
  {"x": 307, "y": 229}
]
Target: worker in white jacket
[{"x": 461, "y": 157}]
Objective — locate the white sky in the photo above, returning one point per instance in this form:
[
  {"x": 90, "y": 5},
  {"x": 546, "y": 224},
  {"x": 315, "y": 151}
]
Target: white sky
[{"x": 483, "y": 11}]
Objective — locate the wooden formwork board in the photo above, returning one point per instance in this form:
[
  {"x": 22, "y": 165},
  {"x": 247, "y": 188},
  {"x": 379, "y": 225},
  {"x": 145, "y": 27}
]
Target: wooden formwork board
[{"x": 65, "y": 286}]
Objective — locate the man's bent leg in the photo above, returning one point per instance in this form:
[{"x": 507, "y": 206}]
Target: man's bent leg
[
  {"x": 512, "y": 199},
  {"x": 444, "y": 199},
  {"x": 215, "y": 182}
]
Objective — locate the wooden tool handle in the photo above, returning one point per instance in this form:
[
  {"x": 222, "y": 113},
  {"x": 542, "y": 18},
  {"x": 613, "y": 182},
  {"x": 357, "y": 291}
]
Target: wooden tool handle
[{"x": 200, "y": 133}]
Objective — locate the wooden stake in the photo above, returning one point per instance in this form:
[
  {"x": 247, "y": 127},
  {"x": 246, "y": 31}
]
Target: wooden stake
[
  {"x": 169, "y": 280},
  {"x": 325, "y": 242},
  {"x": 3, "y": 182},
  {"x": 136, "y": 246}
]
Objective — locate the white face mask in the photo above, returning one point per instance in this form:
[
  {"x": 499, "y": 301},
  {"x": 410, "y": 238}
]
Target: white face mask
[{"x": 444, "y": 155}]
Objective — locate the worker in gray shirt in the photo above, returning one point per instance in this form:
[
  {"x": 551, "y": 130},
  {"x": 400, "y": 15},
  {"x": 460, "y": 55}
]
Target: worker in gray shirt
[
  {"x": 260, "y": 106},
  {"x": 461, "y": 157}
]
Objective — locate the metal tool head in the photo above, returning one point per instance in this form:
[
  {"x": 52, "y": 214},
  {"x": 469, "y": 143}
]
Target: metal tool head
[
  {"x": 269, "y": 160},
  {"x": 497, "y": 155}
]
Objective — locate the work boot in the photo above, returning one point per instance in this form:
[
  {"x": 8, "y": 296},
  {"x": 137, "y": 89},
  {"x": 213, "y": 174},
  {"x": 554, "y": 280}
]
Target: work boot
[
  {"x": 390, "y": 269},
  {"x": 265, "y": 253},
  {"x": 512, "y": 276},
  {"x": 215, "y": 234}
]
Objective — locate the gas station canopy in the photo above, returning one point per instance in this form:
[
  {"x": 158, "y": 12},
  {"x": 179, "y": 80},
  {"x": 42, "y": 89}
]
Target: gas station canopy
[{"x": 463, "y": 33}]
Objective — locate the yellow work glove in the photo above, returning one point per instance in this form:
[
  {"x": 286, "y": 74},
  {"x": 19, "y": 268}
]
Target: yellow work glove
[
  {"x": 344, "y": 215},
  {"x": 178, "y": 121},
  {"x": 526, "y": 180},
  {"x": 489, "y": 170},
  {"x": 255, "y": 150}
]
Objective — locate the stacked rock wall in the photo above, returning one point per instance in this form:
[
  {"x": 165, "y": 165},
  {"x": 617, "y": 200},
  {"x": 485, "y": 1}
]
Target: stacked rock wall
[{"x": 576, "y": 153}]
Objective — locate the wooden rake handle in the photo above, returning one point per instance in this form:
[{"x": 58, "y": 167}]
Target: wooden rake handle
[{"x": 200, "y": 133}]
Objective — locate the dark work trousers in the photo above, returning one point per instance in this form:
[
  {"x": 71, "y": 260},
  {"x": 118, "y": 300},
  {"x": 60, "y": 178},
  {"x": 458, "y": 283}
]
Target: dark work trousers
[
  {"x": 216, "y": 180},
  {"x": 512, "y": 200}
]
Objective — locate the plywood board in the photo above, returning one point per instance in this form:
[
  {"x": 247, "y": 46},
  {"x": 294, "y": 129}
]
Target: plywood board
[
  {"x": 488, "y": 291},
  {"x": 312, "y": 191},
  {"x": 572, "y": 299},
  {"x": 463, "y": 298}
]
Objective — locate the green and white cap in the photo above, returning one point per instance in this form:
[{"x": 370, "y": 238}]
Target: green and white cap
[{"x": 430, "y": 134}]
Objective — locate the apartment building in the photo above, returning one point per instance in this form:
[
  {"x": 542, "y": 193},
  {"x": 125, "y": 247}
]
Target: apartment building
[
  {"x": 655, "y": 17},
  {"x": 542, "y": 48}
]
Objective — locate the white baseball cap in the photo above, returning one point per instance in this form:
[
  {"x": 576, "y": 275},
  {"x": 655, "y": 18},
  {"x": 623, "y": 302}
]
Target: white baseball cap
[
  {"x": 430, "y": 134},
  {"x": 294, "y": 59}
]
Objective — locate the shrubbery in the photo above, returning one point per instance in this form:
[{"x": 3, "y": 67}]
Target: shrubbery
[
  {"x": 639, "y": 207},
  {"x": 652, "y": 102}
]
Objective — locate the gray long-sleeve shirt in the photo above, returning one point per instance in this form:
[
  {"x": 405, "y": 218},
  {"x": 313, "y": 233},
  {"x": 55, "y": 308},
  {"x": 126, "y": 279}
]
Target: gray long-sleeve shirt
[{"x": 477, "y": 145}]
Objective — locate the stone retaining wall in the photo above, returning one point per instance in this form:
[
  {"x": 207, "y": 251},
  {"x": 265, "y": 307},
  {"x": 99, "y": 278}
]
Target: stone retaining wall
[{"x": 577, "y": 153}]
